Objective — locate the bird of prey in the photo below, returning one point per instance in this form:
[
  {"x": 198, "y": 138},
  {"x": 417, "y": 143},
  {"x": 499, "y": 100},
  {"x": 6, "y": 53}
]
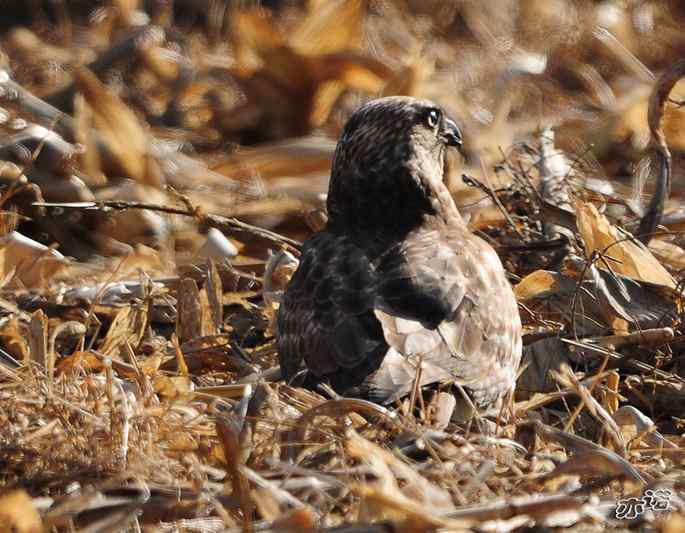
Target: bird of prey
[{"x": 396, "y": 280}]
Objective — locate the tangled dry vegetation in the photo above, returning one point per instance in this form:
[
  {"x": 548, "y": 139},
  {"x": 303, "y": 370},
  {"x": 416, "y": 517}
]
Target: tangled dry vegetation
[{"x": 162, "y": 161}]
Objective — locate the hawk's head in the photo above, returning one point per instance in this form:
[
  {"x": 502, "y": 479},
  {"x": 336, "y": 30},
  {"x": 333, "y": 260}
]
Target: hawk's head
[{"x": 389, "y": 165}]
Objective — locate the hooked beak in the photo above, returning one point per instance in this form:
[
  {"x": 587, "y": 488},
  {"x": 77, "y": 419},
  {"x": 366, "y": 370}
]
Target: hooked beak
[{"x": 451, "y": 134}]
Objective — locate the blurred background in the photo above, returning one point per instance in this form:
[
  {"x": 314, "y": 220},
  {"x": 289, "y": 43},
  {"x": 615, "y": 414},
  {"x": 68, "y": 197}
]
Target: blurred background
[
  {"x": 238, "y": 104},
  {"x": 162, "y": 160}
]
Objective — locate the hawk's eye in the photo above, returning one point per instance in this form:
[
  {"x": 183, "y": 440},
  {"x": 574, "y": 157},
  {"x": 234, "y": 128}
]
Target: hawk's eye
[{"x": 433, "y": 117}]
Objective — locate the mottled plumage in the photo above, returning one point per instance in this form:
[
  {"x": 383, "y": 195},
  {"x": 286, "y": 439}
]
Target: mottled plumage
[{"x": 396, "y": 277}]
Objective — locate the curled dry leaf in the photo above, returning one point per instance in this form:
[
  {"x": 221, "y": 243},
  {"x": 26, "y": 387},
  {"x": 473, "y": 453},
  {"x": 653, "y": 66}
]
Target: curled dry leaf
[
  {"x": 33, "y": 264},
  {"x": 623, "y": 301},
  {"x": 631, "y": 119},
  {"x": 280, "y": 267},
  {"x": 596, "y": 463},
  {"x": 335, "y": 409},
  {"x": 625, "y": 255},
  {"x": 549, "y": 296},
  {"x": 636, "y": 426}
]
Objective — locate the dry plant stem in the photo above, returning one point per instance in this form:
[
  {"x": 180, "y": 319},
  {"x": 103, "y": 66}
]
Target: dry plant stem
[
  {"x": 645, "y": 337},
  {"x": 60, "y": 122},
  {"x": 15, "y": 93},
  {"x": 629, "y": 60},
  {"x": 335, "y": 409},
  {"x": 579, "y": 445},
  {"x": 490, "y": 191},
  {"x": 225, "y": 224},
  {"x": 535, "y": 505},
  {"x": 416, "y": 387},
  {"x": 227, "y": 428},
  {"x": 593, "y": 406},
  {"x": 655, "y": 113},
  {"x": 630, "y": 363}
]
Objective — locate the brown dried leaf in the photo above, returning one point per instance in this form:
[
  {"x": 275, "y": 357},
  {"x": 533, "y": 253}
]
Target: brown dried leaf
[
  {"x": 208, "y": 325},
  {"x": 127, "y": 327},
  {"x": 119, "y": 128},
  {"x": 79, "y": 360},
  {"x": 598, "y": 460},
  {"x": 14, "y": 339},
  {"x": 596, "y": 463},
  {"x": 162, "y": 62},
  {"x": 354, "y": 71},
  {"x": 18, "y": 514},
  {"x": 126, "y": 10},
  {"x": 631, "y": 121},
  {"x": 194, "y": 318},
  {"x": 172, "y": 387},
  {"x": 215, "y": 293},
  {"x": 90, "y": 156},
  {"x": 611, "y": 396},
  {"x": 292, "y": 157},
  {"x": 34, "y": 263},
  {"x": 183, "y": 442},
  {"x": 38, "y": 338},
  {"x": 410, "y": 79},
  {"x": 669, "y": 254},
  {"x": 336, "y": 25},
  {"x": 150, "y": 365},
  {"x": 416, "y": 491},
  {"x": 309, "y": 73},
  {"x": 636, "y": 427},
  {"x": 252, "y": 35},
  {"x": 538, "y": 283},
  {"x": 302, "y": 519},
  {"x": 135, "y": 226},
  {"x": 625, "y": 255},
  {"x": 236, "y": 453}
]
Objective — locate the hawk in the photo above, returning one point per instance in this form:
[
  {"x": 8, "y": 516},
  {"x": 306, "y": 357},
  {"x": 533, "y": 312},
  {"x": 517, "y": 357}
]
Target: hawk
[{"x": 396, "y": 279}]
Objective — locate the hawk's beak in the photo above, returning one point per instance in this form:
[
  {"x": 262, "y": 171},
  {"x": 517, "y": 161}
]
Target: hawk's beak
[{"x": 451, "y": 134}]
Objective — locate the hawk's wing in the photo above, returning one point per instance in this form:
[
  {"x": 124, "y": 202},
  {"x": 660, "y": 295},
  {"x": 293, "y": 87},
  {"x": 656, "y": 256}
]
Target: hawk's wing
[
  {"x": 444, "y": 299},
  {"x": 326, "y": 323},
  {"x": 438, "y": 297}
]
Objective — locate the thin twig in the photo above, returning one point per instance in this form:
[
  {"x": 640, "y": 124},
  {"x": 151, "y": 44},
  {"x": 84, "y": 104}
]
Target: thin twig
[{"x": 225, "y": 224}]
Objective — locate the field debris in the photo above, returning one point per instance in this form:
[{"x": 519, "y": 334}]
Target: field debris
[{"x": 161, "y": 164}]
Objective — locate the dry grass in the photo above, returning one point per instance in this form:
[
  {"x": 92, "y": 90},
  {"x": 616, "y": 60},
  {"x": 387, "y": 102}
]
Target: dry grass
[{"x": 158, "y": 170}]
